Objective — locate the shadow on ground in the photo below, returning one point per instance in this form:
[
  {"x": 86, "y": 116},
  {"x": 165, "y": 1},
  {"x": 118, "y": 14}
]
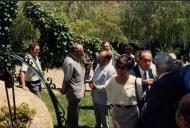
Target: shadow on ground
[
  {"x": 85, "y": 126},
  {"x": 87, "y": 107}
]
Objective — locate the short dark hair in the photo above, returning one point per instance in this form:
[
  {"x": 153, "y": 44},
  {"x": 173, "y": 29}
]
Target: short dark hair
[
  {"x": 105, "y": 41},
  {"x": 128, "y": 47},
  {"x": 32, "y": 46},
  {"x": 126, "y": 61}
]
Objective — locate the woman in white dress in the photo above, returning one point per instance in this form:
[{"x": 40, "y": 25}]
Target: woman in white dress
[{"x": 123, "y": 91}]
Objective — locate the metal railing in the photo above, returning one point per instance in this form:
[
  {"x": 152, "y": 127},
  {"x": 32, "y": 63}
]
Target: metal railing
[{"x": 59, "y": 111}]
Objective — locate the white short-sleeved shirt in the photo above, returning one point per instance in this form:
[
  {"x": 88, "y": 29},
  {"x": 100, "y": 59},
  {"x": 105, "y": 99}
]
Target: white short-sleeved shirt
[
  {"x": 124, "y": 94},
  {"x": 30, "y": 74}
]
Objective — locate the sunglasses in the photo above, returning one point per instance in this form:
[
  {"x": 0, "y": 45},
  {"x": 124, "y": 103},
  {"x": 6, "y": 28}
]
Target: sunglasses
[{"x": 121, "y": 67}]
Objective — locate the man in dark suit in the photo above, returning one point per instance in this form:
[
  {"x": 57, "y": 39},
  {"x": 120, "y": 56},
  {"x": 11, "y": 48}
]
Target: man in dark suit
[
  {"x": 163, "y": 95},
  {"x": 142, "y": 70}
]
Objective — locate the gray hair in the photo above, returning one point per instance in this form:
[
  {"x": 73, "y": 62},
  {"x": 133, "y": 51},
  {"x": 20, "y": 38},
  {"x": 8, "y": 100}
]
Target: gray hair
[
  {"x": 144, "y": 52},
  {"x": 76, "y": 46},
  {"x": 164, "y": 62}
]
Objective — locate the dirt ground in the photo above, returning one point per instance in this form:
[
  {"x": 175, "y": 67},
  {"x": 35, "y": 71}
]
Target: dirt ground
[{"x": 57, "y": 75}]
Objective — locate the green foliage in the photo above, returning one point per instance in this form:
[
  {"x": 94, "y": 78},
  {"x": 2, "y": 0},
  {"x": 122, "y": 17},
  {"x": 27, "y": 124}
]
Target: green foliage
[
  {"x": 24, "y": 115},
  {"x": 157, "y": 25},
  {"x": 89, "y": 19},
  {"x": 91, "y": 45},
  {"x": 55, "y": 38},
  {"x": 8, "y": 13},
  {"x": 150, "y": 25},
  {"x": 22, "y": 31}
]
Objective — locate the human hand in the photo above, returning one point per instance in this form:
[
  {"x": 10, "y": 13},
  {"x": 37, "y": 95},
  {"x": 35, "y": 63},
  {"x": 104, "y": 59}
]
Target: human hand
[
  {"x": 92, "y": 85},
  {"x": 149, "y": 81}
]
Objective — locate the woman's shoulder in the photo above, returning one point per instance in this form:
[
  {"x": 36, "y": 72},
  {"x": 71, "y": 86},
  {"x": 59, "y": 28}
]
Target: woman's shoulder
[
  {"x": 112, "y": 79},
  {"x": 133, "y": 78}
]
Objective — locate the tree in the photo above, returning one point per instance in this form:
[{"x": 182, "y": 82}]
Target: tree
[
  {"x": 22, "y": 31},
  {"x": 157, "y": 25},
  {"x": 8, "y": 11}
]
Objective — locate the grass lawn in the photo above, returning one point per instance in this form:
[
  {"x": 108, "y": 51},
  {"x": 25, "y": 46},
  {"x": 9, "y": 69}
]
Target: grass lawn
[{"x": 86, "y": 117}]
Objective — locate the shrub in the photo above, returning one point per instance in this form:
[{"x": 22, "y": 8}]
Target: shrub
[{"x": 24, "y": 116}]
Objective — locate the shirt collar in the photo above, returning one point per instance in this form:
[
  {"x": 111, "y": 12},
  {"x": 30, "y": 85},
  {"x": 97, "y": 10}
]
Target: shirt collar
[
  {"x": 104, "y": 65},
  {"x": 72, "y": 56}
]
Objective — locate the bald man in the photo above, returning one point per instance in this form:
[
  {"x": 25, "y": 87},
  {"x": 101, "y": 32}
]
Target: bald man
[
  {"x": 73, "y": 83},
  {"x": 103, "y": 72}
]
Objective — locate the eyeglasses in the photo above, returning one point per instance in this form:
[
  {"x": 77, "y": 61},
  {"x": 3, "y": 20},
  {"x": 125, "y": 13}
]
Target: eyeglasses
[{"x": 121, "y": 67}]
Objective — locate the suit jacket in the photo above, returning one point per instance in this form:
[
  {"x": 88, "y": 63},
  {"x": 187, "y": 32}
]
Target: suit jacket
[
  {"x": 74, "y": 74},
  {"x": 138, "y": 74},
  {"x": 185, "y": 73},
  {"x": 162, "y": 102}
]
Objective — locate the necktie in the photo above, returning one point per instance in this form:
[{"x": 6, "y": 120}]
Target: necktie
[{"x": 145, "y": 75}]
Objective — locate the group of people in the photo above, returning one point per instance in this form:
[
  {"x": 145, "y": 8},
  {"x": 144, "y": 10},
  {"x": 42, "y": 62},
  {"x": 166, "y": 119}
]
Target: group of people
[{"x": 142, "y": 92}]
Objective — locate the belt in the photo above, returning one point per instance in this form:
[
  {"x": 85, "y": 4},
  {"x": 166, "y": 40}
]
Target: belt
[
  {"x": 124, "y": 106},
  {"x": 34, "y": 82}
]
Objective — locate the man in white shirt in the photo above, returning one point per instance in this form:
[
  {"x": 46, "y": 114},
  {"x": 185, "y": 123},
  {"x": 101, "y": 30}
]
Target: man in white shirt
[
  {"x": 29, "y": 79},
  {"x": 103, "y": 72}
]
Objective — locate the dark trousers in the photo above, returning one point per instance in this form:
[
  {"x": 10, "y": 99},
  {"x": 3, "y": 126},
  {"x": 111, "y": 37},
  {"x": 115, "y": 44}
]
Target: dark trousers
[
  {"x": 101, "y": 115},
  {"x": 34, "y": 87},
  {"x": 72, "y": 112}
]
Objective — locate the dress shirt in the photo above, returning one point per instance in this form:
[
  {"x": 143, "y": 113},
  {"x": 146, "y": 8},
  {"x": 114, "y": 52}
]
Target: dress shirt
[
  {"x": 101, "y": 75},
  {"x": 30, "y": 74},
  {"x": 142, "y": 72}
]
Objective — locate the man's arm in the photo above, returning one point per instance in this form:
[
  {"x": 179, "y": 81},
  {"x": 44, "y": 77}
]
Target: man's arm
[
  {"x": 68, "y": 71},
  {"x": 23, "y": 80},
  {"x": 111, "y": 73},
  {"x": 23, "y": 71}
]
